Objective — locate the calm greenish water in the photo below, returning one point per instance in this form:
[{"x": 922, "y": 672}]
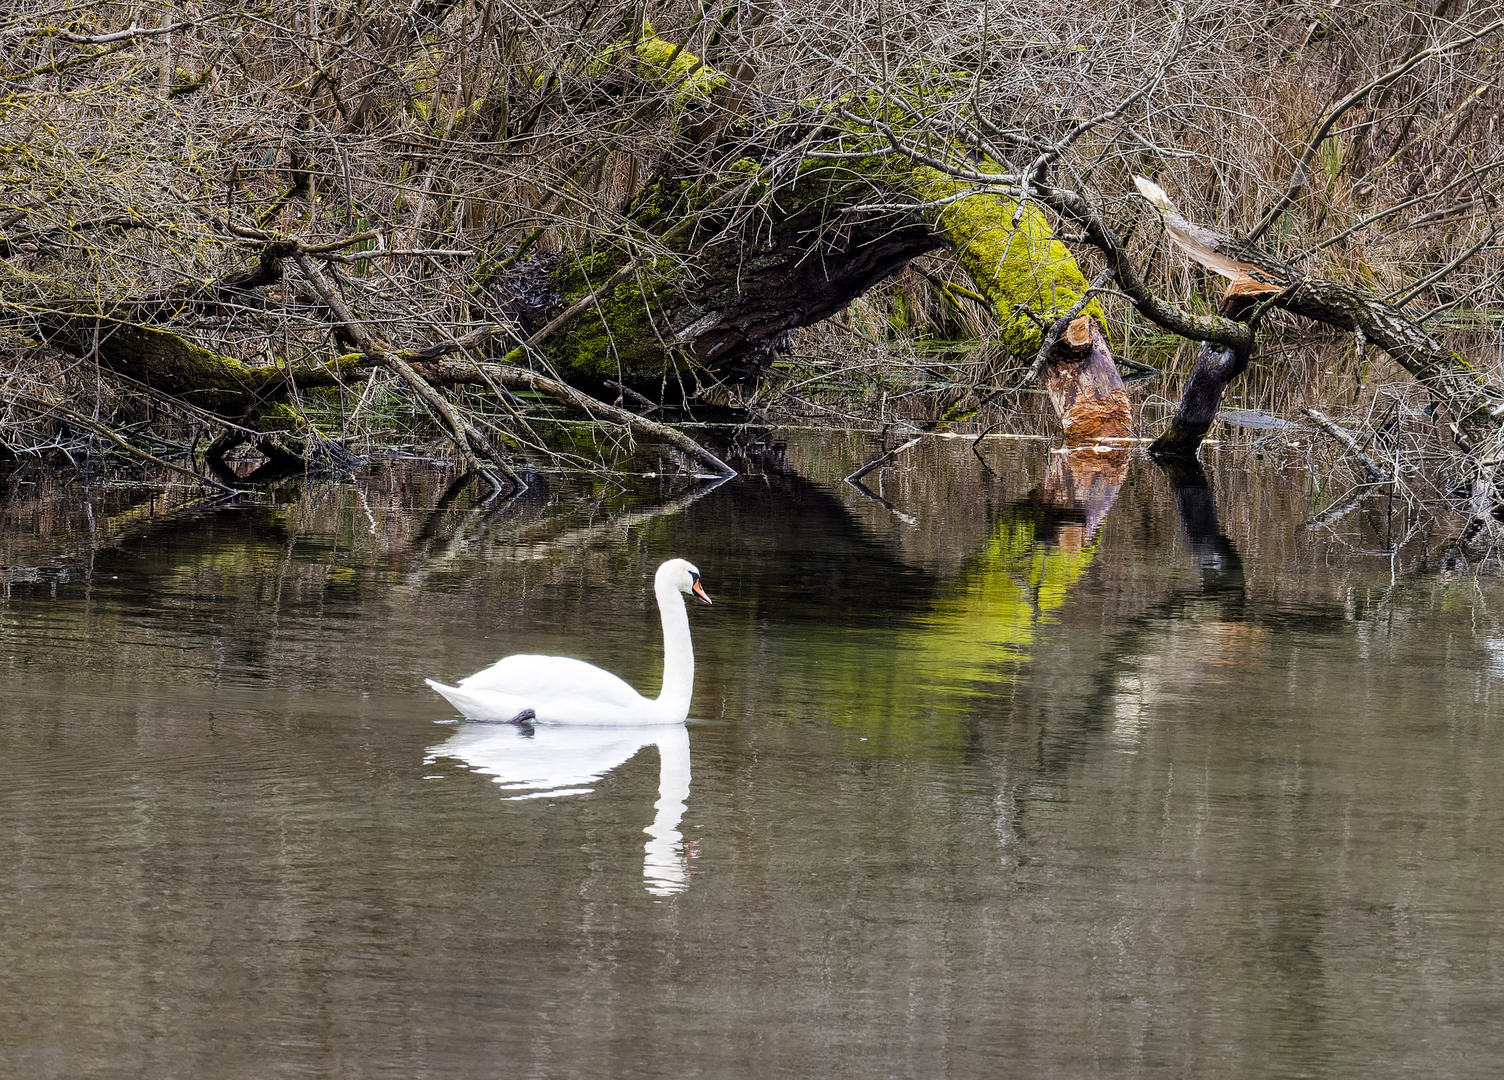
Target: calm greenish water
[{"x": 1000, "y": 771}]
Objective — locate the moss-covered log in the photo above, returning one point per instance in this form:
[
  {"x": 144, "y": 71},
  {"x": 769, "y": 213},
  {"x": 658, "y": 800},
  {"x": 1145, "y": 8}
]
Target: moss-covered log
[
  {"x": 123, "y": 337},
  {"x": 165, "y": 361},
  {"x": 823, "y": 214},
  {"x": 729, "y": 305},
  {"x": 811, "y": 215}
]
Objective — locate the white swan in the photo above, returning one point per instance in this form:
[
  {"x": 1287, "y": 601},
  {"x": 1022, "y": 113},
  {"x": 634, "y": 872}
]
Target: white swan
[{"x": 562, "y": 690}]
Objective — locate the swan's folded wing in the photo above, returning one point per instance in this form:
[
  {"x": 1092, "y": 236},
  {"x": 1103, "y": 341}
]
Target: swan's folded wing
[
  {"x": 551, "y": 678},
  {"x": 498, "y": 708}
]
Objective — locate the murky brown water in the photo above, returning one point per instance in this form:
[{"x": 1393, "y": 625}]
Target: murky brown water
[{"x": 993, "y": 775}]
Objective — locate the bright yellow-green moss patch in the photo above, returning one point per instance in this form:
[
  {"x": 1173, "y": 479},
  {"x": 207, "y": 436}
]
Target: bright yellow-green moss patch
[
  {"x": 1017, "y": 268},
  {"x": 692, "y": 80}
]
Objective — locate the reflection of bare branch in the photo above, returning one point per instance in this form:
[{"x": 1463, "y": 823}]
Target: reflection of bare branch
[
  {"x": 621, "y": 523},
  {"x": 475, "y": 526},
  {"x": 880, "y": 460},
  {"x": 907, "y": 519},
  {"x": 1342, "y": 507},
  {"x": 114, "y": 437}
]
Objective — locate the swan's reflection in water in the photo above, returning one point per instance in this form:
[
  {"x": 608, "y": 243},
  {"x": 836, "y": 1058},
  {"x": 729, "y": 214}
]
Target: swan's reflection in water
[{"x": 550, "y": 761}]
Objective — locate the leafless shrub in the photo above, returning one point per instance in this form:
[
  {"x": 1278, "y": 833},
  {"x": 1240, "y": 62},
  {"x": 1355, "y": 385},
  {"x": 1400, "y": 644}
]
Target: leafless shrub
[{"x": 146, "y": 146}]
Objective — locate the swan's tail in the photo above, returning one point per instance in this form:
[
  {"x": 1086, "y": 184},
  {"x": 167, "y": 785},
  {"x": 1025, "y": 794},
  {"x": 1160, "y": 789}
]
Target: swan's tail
[{"x": 496, "y": 708}]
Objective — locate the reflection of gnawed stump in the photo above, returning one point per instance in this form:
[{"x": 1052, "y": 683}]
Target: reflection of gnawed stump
[
  {"x": 1085, "y": 387},
  {"x": 1084, "y": 483}
]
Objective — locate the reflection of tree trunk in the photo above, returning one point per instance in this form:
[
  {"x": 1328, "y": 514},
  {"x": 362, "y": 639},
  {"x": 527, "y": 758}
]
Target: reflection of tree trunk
[
  {"x": 279, "y": 464},
  {"x": 1079, "y": 489},
  {"x": 1212, "y": 554}
]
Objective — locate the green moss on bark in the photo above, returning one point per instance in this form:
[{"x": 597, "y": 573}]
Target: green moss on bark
[
  {"x": 1020, "y": 269},
  {"x": 618, "y": 338},
  {"x": 659, "y": 62}
]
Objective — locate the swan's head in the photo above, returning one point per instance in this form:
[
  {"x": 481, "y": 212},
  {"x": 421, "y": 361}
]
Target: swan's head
[{"x": 680, "y": 575}]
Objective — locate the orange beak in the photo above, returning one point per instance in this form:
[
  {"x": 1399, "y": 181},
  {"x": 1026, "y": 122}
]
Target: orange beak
[{"x": 699, "y": 590}]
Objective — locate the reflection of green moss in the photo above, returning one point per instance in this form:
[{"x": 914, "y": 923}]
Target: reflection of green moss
[
  {"x": 931, "y": 670},
  {"x": 340, "y": 577},
  {"x": 1014, "y": 585}
]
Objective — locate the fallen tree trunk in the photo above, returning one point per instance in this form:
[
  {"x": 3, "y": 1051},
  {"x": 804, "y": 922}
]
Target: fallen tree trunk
[
  {"x": 1453, "y": 383},
  {"x": 823, "y": 213},
  {"x": 714, "y": 272}
]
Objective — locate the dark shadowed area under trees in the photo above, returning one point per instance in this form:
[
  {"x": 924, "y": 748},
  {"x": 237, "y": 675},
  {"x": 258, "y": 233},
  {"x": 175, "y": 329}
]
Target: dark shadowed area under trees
[{"x": 535, "y": 238}]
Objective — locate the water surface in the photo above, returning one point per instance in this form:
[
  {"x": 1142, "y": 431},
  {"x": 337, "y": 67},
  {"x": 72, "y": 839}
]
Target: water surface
[{"x": 992, "y": 770}]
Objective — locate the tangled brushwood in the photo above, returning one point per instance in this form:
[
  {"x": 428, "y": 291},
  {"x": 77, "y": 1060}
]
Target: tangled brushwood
[{"x": 334, "y": 227}]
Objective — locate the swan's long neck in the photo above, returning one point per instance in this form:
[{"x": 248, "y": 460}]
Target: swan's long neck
[{"x": 678, "y": 653}]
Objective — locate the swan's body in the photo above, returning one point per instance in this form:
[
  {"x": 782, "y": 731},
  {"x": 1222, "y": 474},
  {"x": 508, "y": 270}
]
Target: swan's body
[{"x": 562, "y": 690}]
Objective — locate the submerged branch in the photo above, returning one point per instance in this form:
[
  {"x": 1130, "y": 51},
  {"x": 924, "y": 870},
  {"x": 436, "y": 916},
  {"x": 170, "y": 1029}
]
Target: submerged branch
[
  {"x": 100, "y": 429},
  {"x": 1376, "y": 475},
  {"x": 468, "y": 440}
]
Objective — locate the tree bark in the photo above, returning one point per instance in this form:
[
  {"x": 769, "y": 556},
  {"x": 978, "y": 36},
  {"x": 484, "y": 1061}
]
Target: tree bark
[
  {"x": 1085, "y": 387},
  {"x": 1215, "y": 366}
]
